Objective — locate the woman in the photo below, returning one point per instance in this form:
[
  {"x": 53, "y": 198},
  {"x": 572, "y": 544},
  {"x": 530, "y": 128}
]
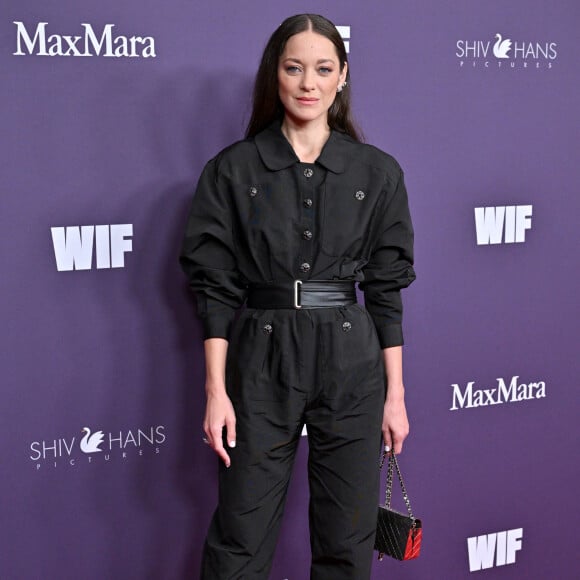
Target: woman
[{"x": 286, "y": 222}]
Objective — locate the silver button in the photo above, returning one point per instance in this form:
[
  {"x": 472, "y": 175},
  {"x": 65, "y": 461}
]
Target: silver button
[
  {"x": 267, "y": 328},
  {"x": 308, "y": 202},
  {"x": 308, "y": 172},
  {"x": 307, "y": 234},
  {"x": 360, "y": 195},
  {"x": 346, "y": 326},
  {"x": 305, "y": 267},
  {"x": 253, "y": 191}
]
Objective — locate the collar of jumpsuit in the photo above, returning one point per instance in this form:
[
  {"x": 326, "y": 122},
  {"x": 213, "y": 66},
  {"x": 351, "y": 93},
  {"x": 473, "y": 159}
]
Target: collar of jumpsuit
[{"x": 277, "y": 153}]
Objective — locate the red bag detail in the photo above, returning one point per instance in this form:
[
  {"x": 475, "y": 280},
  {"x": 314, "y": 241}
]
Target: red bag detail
[{"x": 413, "y": 546}]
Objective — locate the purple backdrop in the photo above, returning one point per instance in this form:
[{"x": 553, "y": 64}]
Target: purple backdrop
[{"x": 100, "y": 332}]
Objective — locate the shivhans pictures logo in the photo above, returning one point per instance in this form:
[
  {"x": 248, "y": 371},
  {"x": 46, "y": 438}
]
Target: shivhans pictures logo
[
  {"x": 89, "y": 43},
  {"x": 506, "y": 52},
  {"x": 97, "y": 446}
]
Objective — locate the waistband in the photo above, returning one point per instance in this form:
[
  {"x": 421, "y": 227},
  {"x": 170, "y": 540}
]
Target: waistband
[{"x": 302, "y": 294}]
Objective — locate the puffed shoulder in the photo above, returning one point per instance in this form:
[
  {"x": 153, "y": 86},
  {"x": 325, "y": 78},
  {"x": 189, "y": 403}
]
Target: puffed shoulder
[
  {"x": 375, "y": 158},
  {"x": 229, "y": 160},
  {"x": 379, "y": 158}
]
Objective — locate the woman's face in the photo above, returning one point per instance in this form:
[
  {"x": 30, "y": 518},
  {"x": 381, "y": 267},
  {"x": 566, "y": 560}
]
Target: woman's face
[{"x": 308, "y": 77}]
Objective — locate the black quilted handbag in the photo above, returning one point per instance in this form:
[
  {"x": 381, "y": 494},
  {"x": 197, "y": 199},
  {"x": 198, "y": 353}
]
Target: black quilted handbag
[{"x": 398, "y": 535}]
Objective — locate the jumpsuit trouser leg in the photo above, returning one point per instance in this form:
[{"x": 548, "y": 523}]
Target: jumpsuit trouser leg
[{"x": 322, "y": 367}]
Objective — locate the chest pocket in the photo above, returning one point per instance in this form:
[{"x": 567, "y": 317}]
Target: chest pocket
[
  {"x": 349, "y": 213},
  {"x": 260, "y": 206},
  {"x": 255, "y": 203},
  {"x": 263, "y": 225}
]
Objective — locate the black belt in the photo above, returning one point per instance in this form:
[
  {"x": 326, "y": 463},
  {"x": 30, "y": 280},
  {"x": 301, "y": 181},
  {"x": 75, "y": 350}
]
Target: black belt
[{"x": 302, "y": 294}]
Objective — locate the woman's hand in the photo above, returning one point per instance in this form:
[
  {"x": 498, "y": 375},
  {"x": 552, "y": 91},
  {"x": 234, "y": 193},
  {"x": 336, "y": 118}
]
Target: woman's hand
[
  {"x": 395, "y": 422},
  {"x": 219, "y": 413}
]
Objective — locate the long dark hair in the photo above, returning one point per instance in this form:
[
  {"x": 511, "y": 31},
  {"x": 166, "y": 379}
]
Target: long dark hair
[{"x": 267, "y": 106}]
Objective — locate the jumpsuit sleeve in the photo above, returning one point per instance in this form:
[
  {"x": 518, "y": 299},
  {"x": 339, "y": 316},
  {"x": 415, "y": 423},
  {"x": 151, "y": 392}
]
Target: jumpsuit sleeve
[
  {"x": 390, "y": 266},
  {"x": 208, "y": 255}
]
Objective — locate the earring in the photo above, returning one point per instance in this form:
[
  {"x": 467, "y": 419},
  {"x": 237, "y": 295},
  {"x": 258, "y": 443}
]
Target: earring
[{"x": 340, "y": 87}]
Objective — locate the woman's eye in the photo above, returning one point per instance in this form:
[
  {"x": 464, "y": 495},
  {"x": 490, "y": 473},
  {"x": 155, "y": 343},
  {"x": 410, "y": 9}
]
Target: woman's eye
[
  {"x": 325, "y": 70},
  {"x": 293, "y": 70}
]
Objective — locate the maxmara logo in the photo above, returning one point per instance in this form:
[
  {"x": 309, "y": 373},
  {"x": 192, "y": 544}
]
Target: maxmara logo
[
  {"x": 505, "y": 52},
  {"x": 39, "y": 41},
  {"x": 470, "y": 397},
  {"x": 93, "y": 445}
]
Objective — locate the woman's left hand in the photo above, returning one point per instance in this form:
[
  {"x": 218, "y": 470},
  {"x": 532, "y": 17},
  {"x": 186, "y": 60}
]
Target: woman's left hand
[{"x": 395, "y": 423}]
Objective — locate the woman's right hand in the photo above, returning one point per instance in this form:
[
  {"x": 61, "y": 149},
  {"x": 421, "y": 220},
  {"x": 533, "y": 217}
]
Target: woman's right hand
[{"x": 219, "y": 413}]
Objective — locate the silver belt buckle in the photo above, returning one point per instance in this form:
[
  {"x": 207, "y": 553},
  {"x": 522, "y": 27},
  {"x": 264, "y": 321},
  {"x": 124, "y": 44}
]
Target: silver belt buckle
[{"x": 296, "y": 293}]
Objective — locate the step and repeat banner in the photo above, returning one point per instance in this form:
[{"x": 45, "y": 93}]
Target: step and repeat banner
[{"x": 109, "y": 112}]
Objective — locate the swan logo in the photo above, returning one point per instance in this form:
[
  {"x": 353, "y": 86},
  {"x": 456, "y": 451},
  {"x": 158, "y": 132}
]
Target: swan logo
[
  {"x": 501, "y": 47},
  {"x": 502, "y": 52},
  {"x": 90, "y": 443}
]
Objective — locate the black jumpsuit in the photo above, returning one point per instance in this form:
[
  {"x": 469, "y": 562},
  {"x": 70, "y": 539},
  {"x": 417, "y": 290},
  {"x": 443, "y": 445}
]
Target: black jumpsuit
[{"x": 260, "y": 215}]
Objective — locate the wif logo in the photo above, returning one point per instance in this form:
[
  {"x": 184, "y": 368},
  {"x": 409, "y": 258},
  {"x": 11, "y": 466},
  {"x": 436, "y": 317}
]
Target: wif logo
[
  {"x": 500, "y": 547},
  {"x": 344, "y": 32},
  {"x": 503, "y": 223},
  {"x": 74, "y": 245}
]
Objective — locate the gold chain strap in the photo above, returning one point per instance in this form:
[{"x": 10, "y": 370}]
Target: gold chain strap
[{"x": 389, "y": 491}]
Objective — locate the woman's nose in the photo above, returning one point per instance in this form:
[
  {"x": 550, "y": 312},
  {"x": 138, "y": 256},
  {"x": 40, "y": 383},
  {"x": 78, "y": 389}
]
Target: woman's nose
[{"x": 307, "y": 83}]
